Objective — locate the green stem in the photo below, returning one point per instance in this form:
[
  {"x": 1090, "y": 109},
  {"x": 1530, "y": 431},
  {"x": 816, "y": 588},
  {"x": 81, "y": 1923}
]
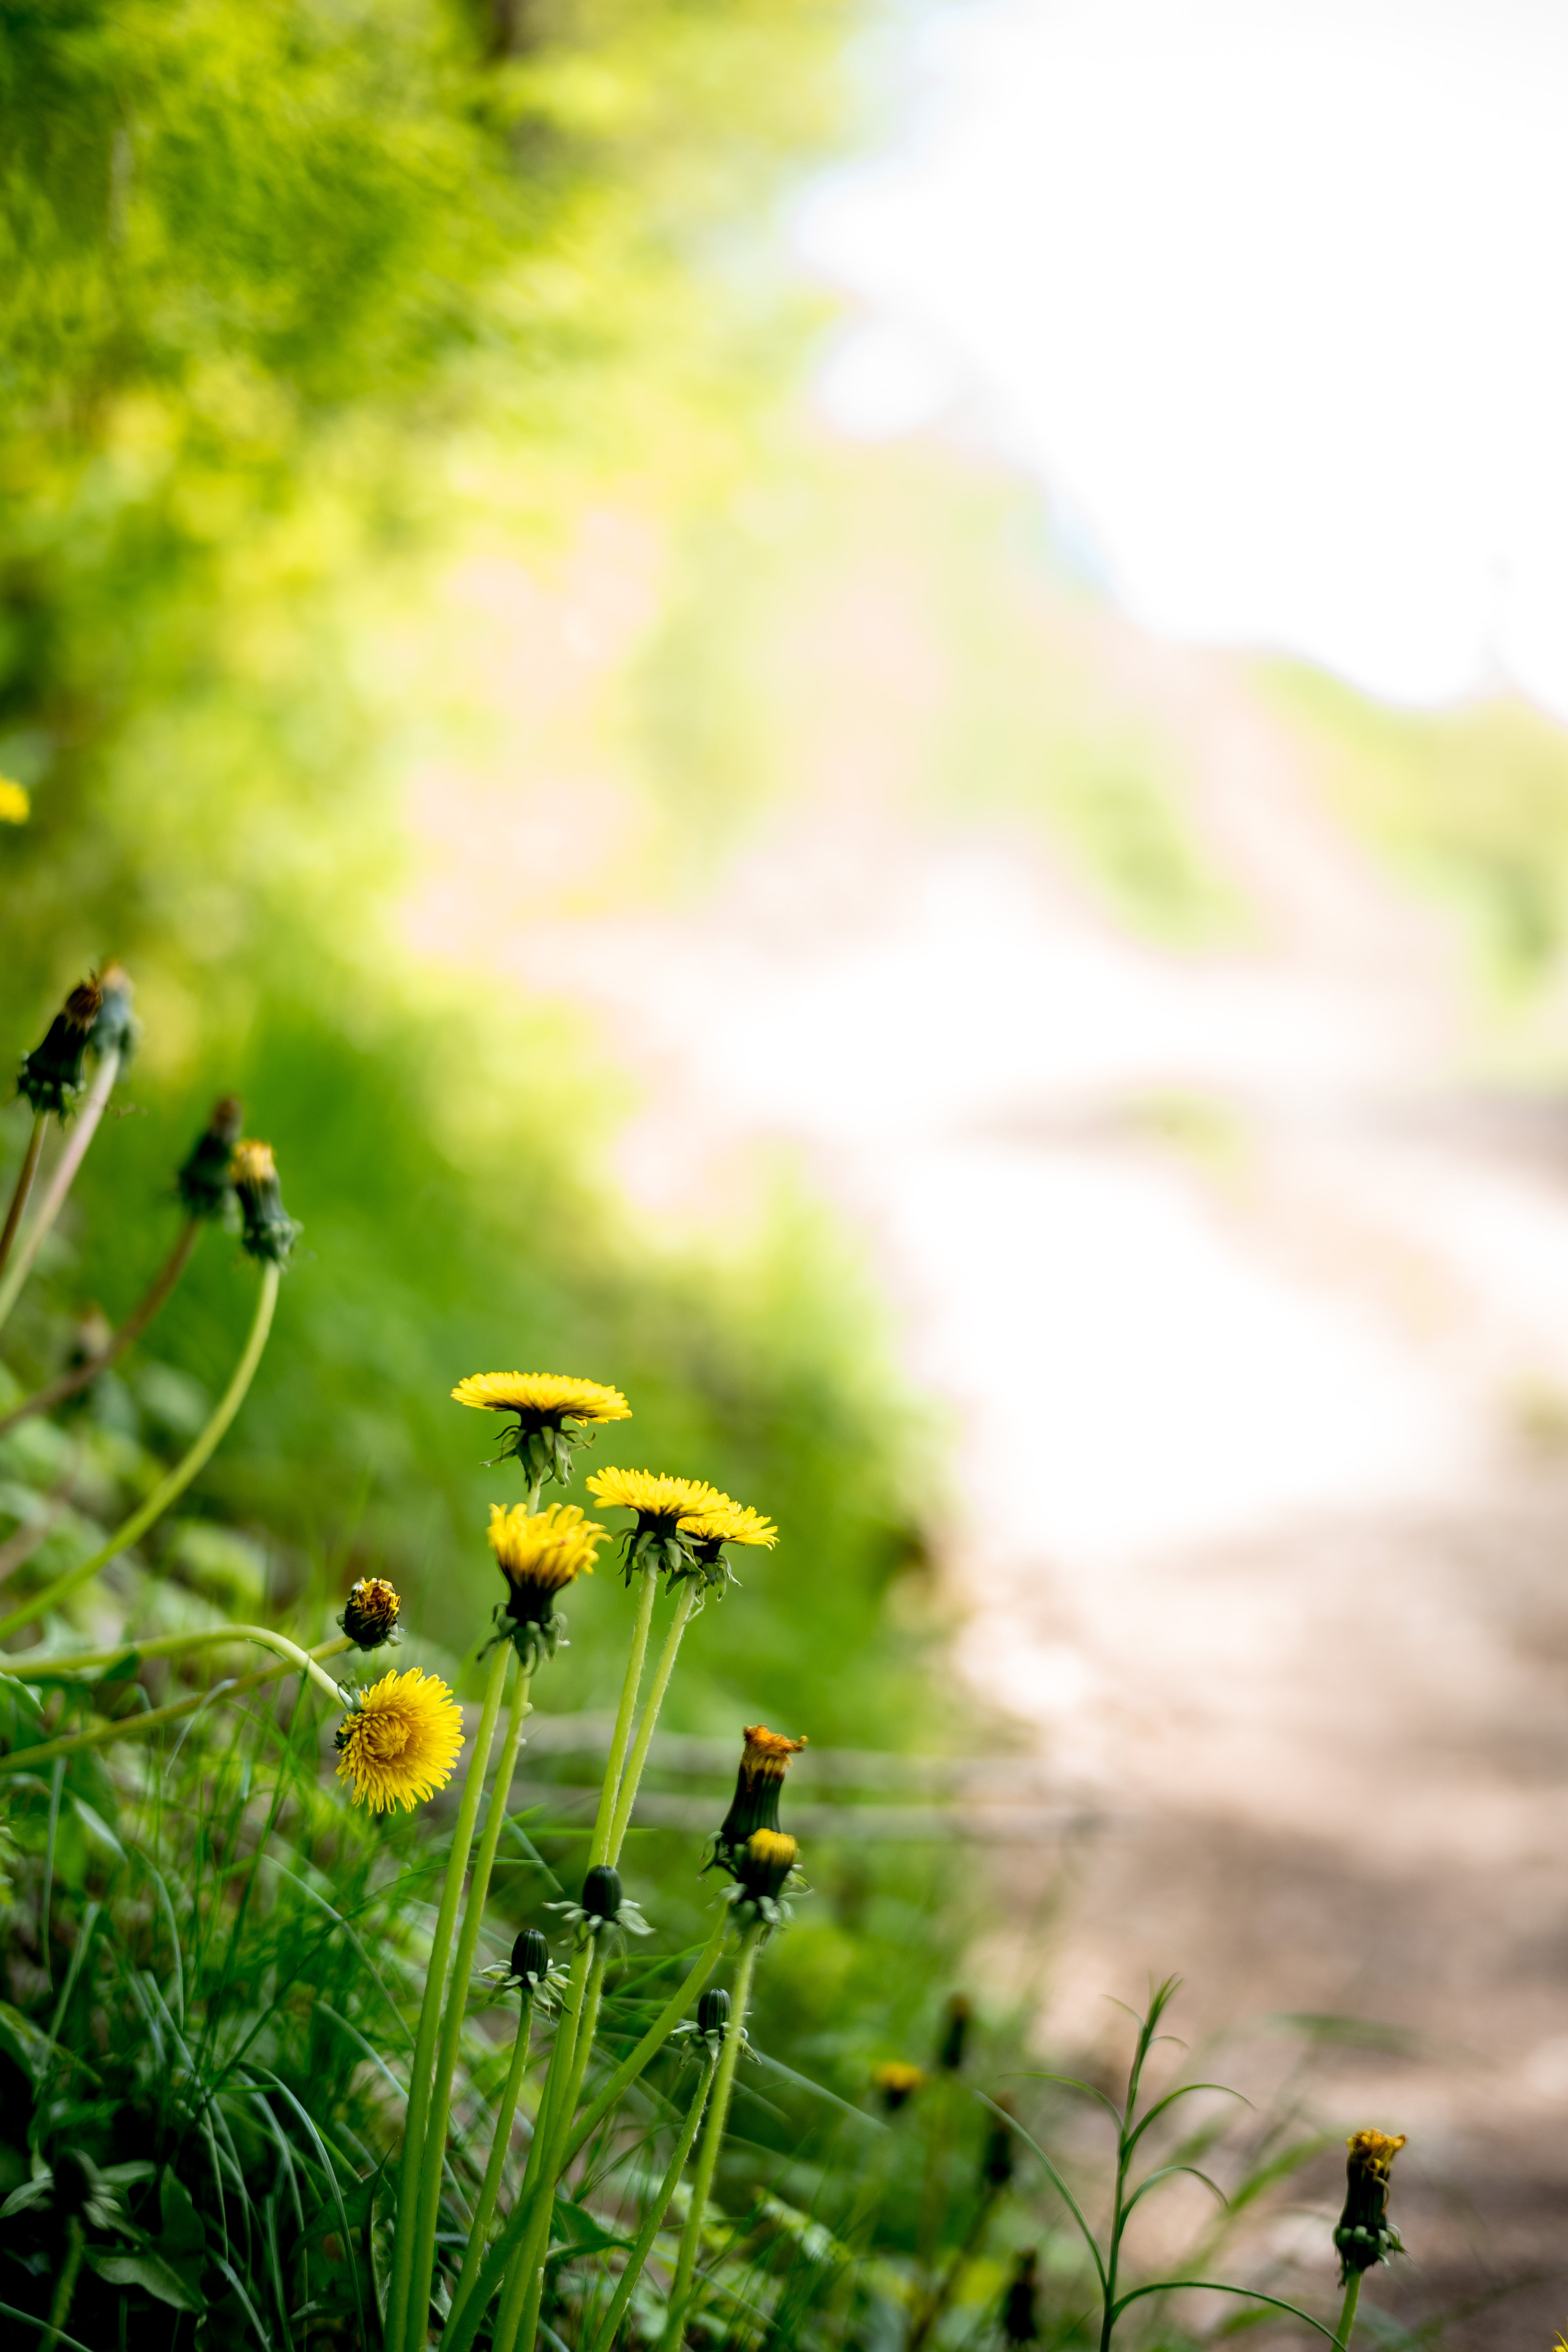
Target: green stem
[
  {"x": 653, "y": 2041},
  {"x": 489, "y": 2188},
  {"x": 713, "y": 2139},
  {"x": 148, "y": 1306},
  {"x": 498, "y": 2265},
  {"x": 528, "y": 2262},
  {"x": 61, "y": 1182},
  {"x": 23, "y": 1184},
  {"x": 642, "y": 2245},
  {"x": 433, "y": 2161},
  {"x": 168, "y": 1489},
  {"x": 60, "y": 2308},
  {"x": 632, "y": 1777},
  {"x": 1346, "y": 2327},
  {"x": 610, "y": 1787},
  {"x": 174, "y": 1645},
  {"x": 27, "y": 1759},
  {"x": 406, "y": 2322}
]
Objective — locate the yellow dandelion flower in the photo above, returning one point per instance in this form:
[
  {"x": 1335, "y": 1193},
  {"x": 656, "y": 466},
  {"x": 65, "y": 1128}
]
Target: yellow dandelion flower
[
  {"x": 15, "y": 806},
  {"x": 541, "y": 1552},
  {"x": 399, "y": 1742},
  {"x": 541, "y": 1398},
  {"x": 898, "y": 2081},
  {"x": 725, "y": 1522},
  {"x": 655, "y": 1499}
]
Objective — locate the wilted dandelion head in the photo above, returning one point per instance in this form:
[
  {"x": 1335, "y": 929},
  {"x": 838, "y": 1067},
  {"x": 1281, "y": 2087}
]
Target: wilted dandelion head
[
  {"x": 767, "y": 1755},
  {"x": 399, "y": 1742},
  {"x": 1364, "y": 2234},
  {"x": 371, "y": 1612},
  {"x": 269, "y": 1231},
  {"x": 542, "y": 1400}
]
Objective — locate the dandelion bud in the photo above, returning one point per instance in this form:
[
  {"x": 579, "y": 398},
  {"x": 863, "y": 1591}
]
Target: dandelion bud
[
  {"x": 114, "y": 1031},
  {"x": 602, "y": 1892},
  {"x": 1366, "y": 2235},
  {"x": 269, "y": 1230},
  {"x": 996, "y": 2156},
  {"x": 205, "y": 1182},
  {"x": 1020, "y": 2313},
  {"x": 898, "y": 2083},
  {"x": 950, "y": 2048},
  {"x": 531, "y": 1957},
  {"x": 714, "y": 2011},
  {"x": 370, "y": 1613},
  {"x": 51, "y": 1074}
]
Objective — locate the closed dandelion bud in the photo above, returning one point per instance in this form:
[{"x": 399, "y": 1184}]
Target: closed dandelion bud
[
  {"x": 602, "y": 1892},
  {"x": 1020, "y": 2308},
  {"x": 950, "y": 2048},
  {"x": 269, "y": 1232},
  {"x": 114, "y": 1031},
  {"x": 765, "y": 1759},
  {"x": 51, "y": 1074},
  {"x": 714, "y": 2011},
  {"x": 898, "y": 2081},
  {"x": 531, "y": 1957},
  {"x": 370, "y": 1613},
  {"x": 205, "y": 1183},
  {"x": 996, "y": 2155},
  {"x": 1366, "y": 2235}
]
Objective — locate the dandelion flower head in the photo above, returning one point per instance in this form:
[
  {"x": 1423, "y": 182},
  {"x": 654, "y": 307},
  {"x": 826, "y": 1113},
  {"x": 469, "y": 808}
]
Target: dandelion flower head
[
  {"x": 1373, "y": 2152},
  {"x": 545, "y": 1551},
  {"x": 767, "y": 1755},
  {"x": 897, "y": 2080},
  {"x": 656, "y": 1499},
  {"x": 14, "y": 805},
  {"x": 726, "y": 1522},
  {"x": 398, "y": 1744},
  {"x": 541, "y": 1398}
]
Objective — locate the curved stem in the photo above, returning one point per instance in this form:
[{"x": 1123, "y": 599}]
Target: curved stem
[
  {"x": 174, "y": 1645},
  {"x": 168, "y": 1489},
  {"x": 26, "y": 1759},
  {"x": 712, "y": 2139},
  {"x": 610, "y": 1787},
  {"x": 61, "y": 1182},
  {"x": 489, "y": 2188},
  {"x": 642, "y": 2245},
  {"x": 147, "y": 1306},
  {"x": 23, "y": 1184},
  {"x": 457, "y": 1991},
  {"x": 633, "y": 1775},
  {"x": 405, "y": 2320}
]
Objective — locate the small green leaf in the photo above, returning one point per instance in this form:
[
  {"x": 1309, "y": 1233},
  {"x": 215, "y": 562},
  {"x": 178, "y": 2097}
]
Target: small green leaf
[{"x": 150, "y": 2270}]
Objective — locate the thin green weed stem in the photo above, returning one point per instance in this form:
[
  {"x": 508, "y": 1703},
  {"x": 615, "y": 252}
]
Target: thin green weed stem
[
  {"x": 713, "y": 2139},
  {"x": 26, "y": 1250},
  {"x": 652, "y": 2222},
  {"x": 168, "y": 1489},
  {"x": 430, "y": 2174},
  {"x": 65, "y": 2288},
  {"x": 147, "y": 1308},
  {"x": 406, "y": 2323}
]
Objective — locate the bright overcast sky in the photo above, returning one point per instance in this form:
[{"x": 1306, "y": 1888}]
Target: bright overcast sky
[{"x": 1273, "y": 295}]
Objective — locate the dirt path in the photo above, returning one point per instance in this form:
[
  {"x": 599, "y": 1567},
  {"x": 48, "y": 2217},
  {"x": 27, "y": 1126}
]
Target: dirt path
[{"x": 1252, "y": 1312}]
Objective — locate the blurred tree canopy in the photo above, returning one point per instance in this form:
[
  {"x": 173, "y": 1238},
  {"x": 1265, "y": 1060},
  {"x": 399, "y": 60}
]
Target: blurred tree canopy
[{"x": 280, "y": 283}]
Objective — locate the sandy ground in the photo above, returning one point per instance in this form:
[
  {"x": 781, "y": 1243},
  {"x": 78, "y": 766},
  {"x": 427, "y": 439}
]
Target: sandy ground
[{"x": 1249, "y": 1301}]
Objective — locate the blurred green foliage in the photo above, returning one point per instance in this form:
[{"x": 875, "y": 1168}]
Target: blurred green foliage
[{"x": 278, "y": 286}]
